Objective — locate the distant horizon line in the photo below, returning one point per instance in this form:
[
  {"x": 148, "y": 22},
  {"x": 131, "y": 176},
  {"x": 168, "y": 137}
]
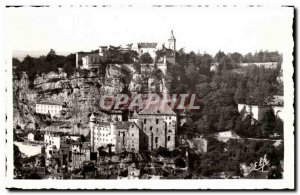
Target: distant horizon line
[{"x": 72, "y": 52}]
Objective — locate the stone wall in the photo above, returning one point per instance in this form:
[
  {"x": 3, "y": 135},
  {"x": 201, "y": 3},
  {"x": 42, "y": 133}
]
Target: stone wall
[{"x": 157, "y": 131}]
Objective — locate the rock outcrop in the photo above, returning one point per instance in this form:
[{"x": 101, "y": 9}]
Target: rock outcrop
[{"x": 80, "y": 92}]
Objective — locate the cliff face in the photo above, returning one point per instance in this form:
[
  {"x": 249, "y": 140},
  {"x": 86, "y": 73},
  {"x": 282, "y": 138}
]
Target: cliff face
[{"x": 79, "y": 92}]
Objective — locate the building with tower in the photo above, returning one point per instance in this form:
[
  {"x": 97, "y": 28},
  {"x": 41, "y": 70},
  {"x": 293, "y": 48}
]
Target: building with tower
[
  {"x": 159, "y": 125},
  {"x": 116, "y": 136},
  {"x": 89, "y": 60}
]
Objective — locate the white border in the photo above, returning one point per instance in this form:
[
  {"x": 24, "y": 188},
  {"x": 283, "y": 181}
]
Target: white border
[{"x": 287, "y": 182}]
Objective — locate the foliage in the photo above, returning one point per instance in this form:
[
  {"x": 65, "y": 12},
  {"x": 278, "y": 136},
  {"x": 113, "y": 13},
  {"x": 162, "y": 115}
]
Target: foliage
[
  {"x": 226, "y": 157},
  {"x": 146, "y": 58},
  {"x": 44, "y": 64},
  {"x": 220, "y": 93}
]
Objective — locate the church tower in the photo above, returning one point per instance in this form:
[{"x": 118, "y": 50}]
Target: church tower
[
  {"x": 172, "y": 42},
  {"x": 171, "y": 46}
]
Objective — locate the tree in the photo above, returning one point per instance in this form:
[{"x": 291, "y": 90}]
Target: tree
[
  {"x": 179, "y": 162},
  {"x": 51, "y": 55},
  {"x": 137, "y": 67},
  {"x": 205, "y": 64},
  {"x": 219, "y": 56},
  {"x": 146, "y": 58},
  {"x": 225, "y": 63},
  {"x": 236, "y": 57},
  {"x": 240, "y": 94},
  {"x": 113, "y": 55},
  {"x": 16, "y": 62},
  {"x": 192, "y": 75},
  {"x": 130, "y": 56},
  {"x": 268, "y": 122},
  {"x": 203, "y": 125},
  {"x": 17, "y": 157},
  {"x": 279, "y": 126},
  {"x": 101, "y": 151},
  {"x": 221, "y": 123}
]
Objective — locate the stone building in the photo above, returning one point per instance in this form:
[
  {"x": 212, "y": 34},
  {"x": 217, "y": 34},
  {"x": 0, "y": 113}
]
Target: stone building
[
  {"x": 116, "y": 136},
  {"x": 102, "y": 133},
  {"x": 159, "y": 124},
  {"x": 30, "y": 137},
  {"x": 129, "y": 137},
  {"x": 53, "y": 139},
  {"x": 257, "y": 111},
  {"x": 78, "y": 159},
  {"x": 49, "y": 107},
  {"x": 88, "y": 60}
]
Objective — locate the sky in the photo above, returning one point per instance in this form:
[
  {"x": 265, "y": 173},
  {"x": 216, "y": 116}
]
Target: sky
[{"x": 199, "y": 29}]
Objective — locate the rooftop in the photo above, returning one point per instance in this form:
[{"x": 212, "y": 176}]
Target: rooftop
[
  {"x": 48, "y": 102},
  {"x": 157, "y": 109},
  {"x": 147, "y": 45},
  {"x": 101, "y": 123},
  {"x": 277, "y": 100},
  {"x": 123, "y": 124}
]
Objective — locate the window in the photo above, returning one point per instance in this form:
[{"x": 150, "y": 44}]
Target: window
[
  {"x": 151, "y": 128},
  {"x": 132, "y": 135},
  {"x": 145, "y": 120},
  {"x": 156, "y": 121},
  {"x": 169, "y": 138}
]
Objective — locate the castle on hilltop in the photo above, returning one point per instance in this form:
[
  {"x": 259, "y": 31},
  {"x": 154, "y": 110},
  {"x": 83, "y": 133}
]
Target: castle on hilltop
[{"x": 89, "y": 60}]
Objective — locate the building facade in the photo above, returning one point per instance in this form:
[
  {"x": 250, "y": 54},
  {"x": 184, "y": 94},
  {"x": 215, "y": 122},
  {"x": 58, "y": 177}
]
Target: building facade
[
  {"x": 257, "y": 112},
  {"x": 159, "y": 125},
  {"x": 129, "y": 137},
  {"x": 88, "y": 60},
  {"x": 52, "y": 108},
  {"x": 116, "y": 136},
  {"x": 53, "y": 139}
]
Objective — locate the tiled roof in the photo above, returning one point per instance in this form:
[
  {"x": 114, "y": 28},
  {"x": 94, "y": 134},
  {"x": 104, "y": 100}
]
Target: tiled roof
[
  {"x": 48, "y": 102},
  {"x": 277, "y": 100},
  {"x": 73, "y": 134},
  {"x": 157, "y": 109},
  {"x": 147, "y": 45},
  {"x": 123, "y": 124},
  {"x": 135, "y": 115},
  {"x": 85, "y": 145},
  {"x": 101, "y": 123},
  {"x": 76, "y": 143}
]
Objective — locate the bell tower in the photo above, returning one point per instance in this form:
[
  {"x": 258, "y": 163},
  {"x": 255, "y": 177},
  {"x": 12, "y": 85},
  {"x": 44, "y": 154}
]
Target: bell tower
[
  {"x": 172, "y": 42},
  {"x": 171, "y": 46}
]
